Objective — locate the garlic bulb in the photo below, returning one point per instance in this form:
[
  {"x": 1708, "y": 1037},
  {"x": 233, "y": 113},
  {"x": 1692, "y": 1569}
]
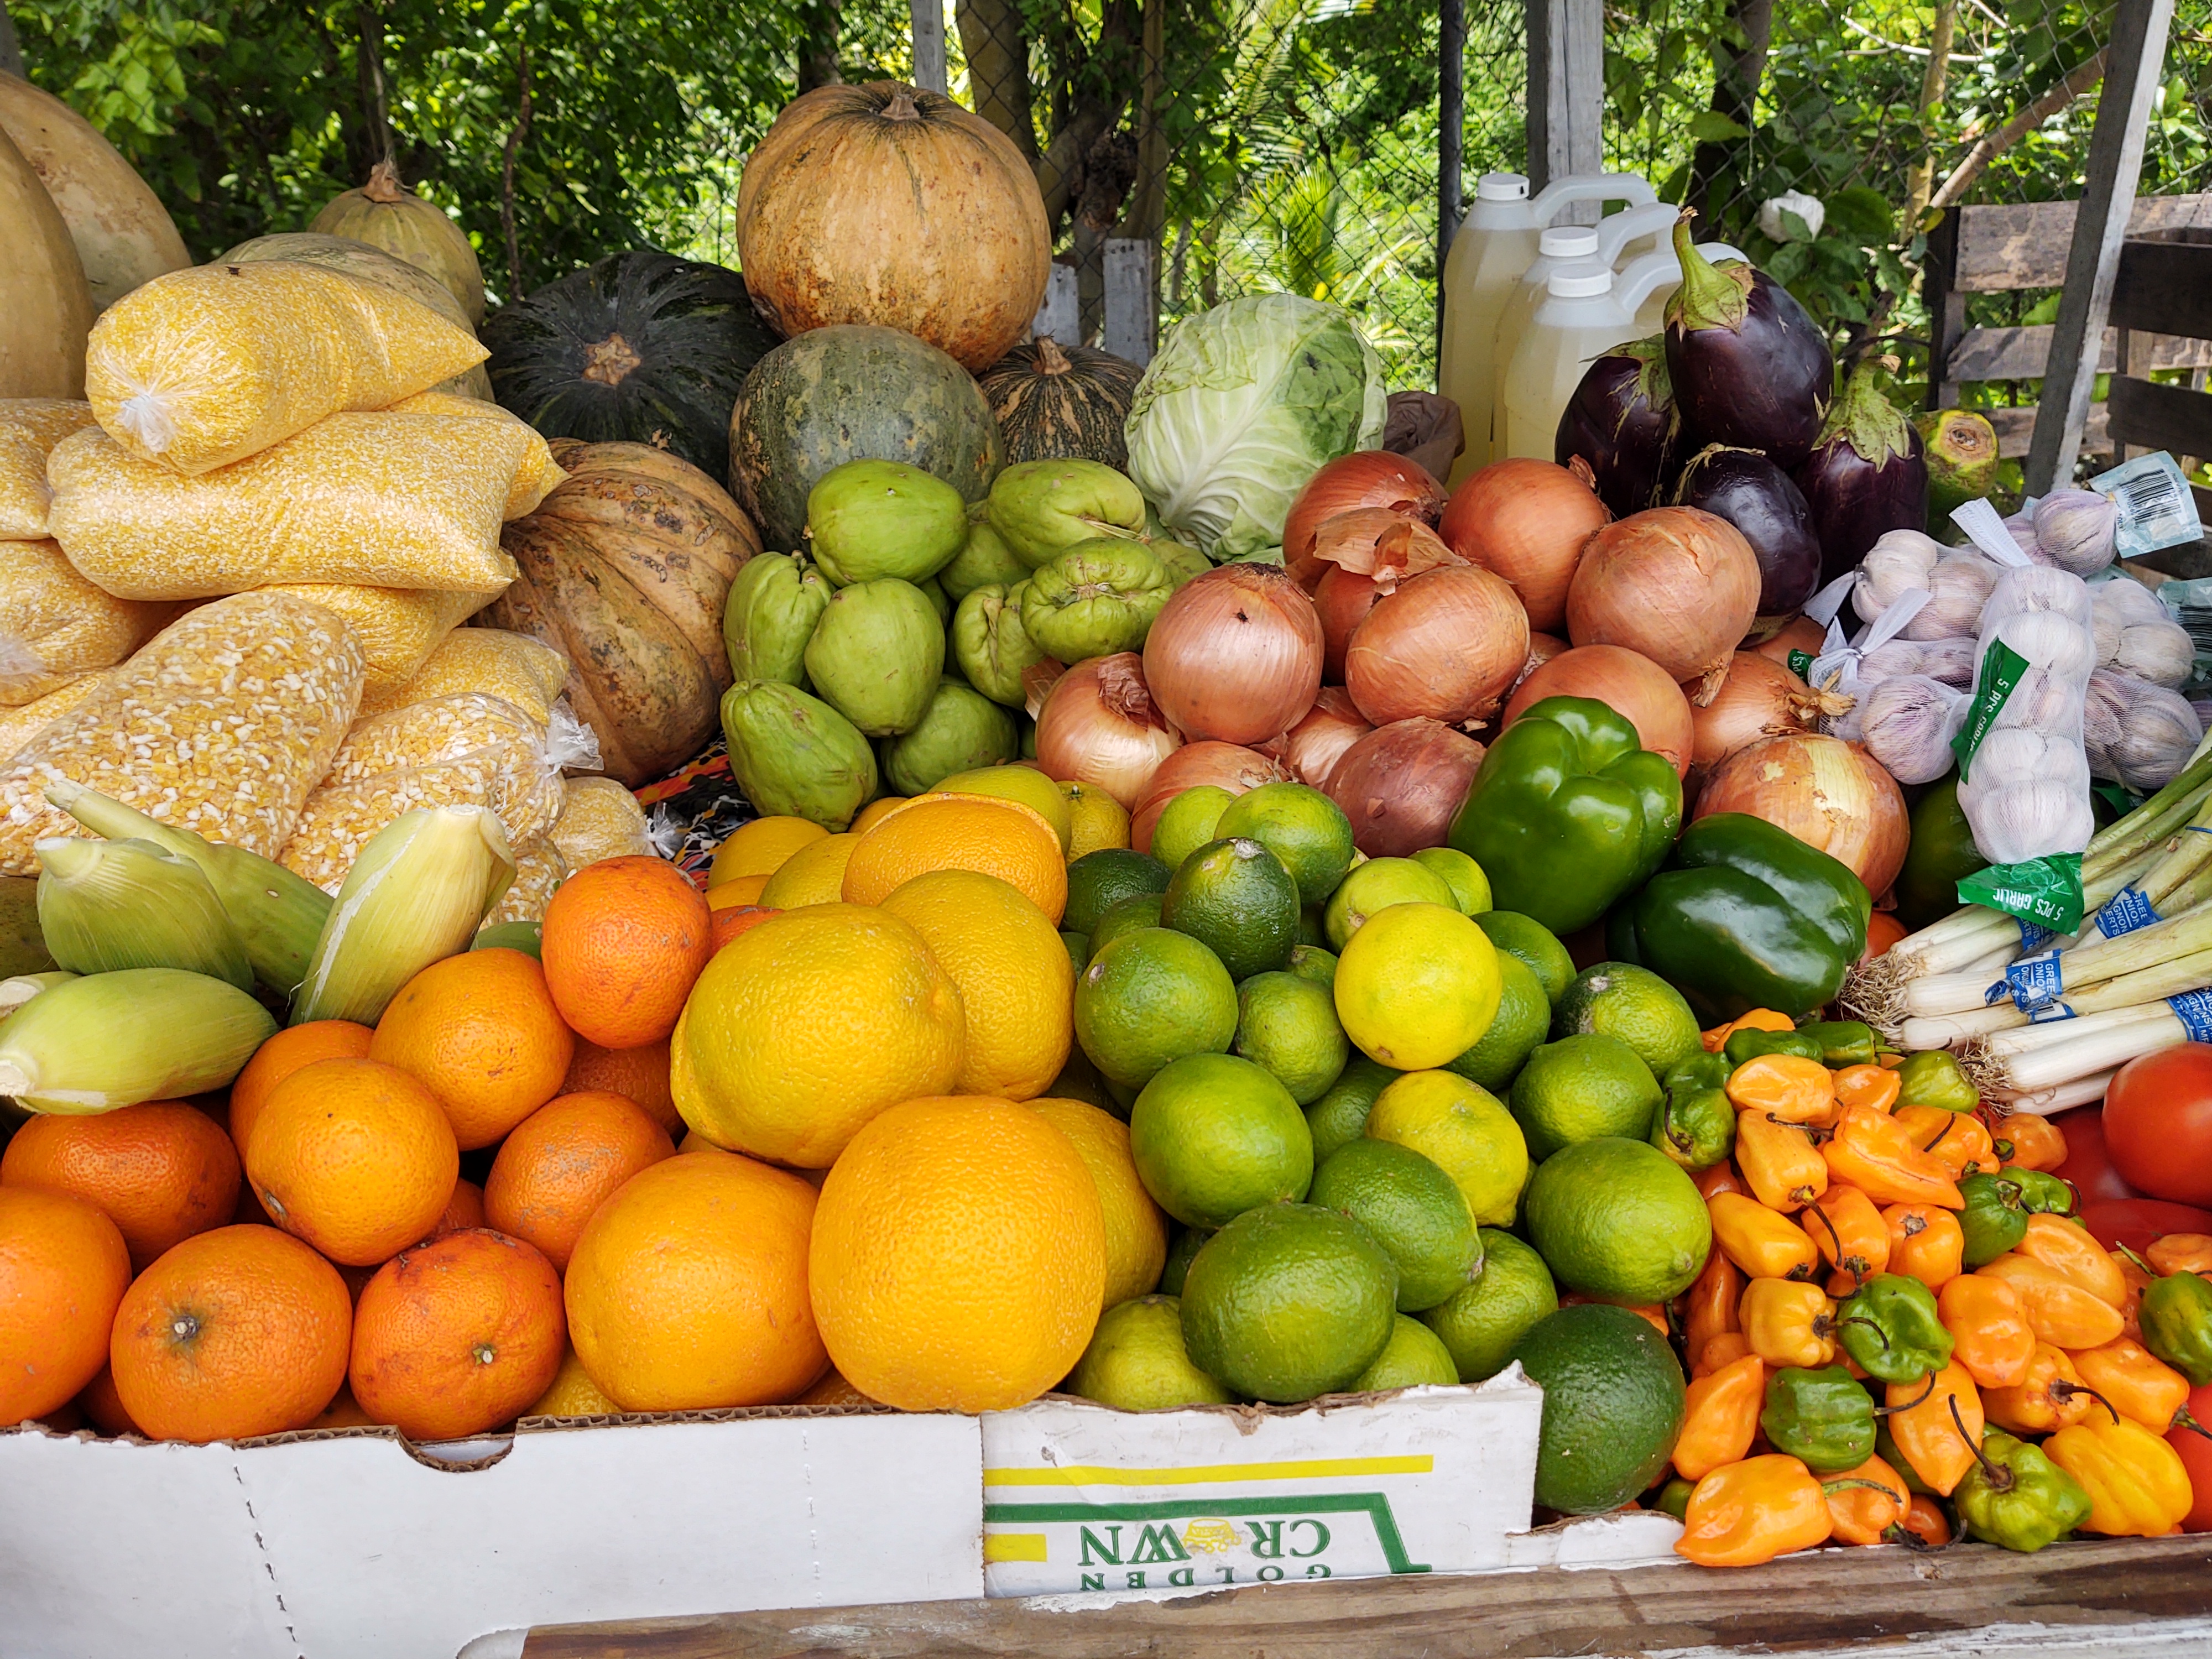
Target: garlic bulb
[
  {"x": 2039, "y": 587},
  {"x": 1907, "y": 725},
  {"x": 2009, "y": 753},
  {"x": 1900, "y": 560},
  {"x": 2074, "y": 530},
  {"x": 2030, "y": 820},
  {"x": 1891, "y": 656},
  {"x": 2042, "y": 701},
  {"x": 2137, "y": 733},
  {"x": 1958, "y": 586},
  {"x": 2136, "y": 634},
  {"x": 1955, "y": 662},
  {"x": 2051, "y": 642},
  {"x": 2021, "y": 527}
]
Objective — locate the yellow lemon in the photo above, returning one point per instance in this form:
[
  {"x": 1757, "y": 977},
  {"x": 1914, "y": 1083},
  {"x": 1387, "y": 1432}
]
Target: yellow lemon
[
  {"x": 1096, "y": 819},
  {"x": 1016, "y": 983},
  {"x": 940, "y": 831},
  {"x": 1417, "y": 986},
  {"x": 1461, "y": 1127},
  {"x": 877, "y": 810},
  {"x": 759, "y": 849},
  {"x": 736, "y": 892},
  {"x": 813, "y": 875},
  {"x": 572, "y": 1393},
  {"x": 1025, "y": 784},
  {"x": 1136, "y": 1229}
]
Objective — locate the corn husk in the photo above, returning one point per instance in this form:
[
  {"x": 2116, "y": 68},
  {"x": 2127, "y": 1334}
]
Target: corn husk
[
  {"x": 15, "y": 992},
  {"x": 104, "y": 1040},
  {"x": 417, "y": 894},
  {"x": 106, "y": 905}
]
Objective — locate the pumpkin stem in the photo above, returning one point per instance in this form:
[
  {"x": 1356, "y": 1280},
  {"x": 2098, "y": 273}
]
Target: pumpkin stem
[
  {"x": 1050, "y": 359},
  {"x": 384, "y": 186},
  {"x": 902, "y": 106},
  {"x": 610, "y": 360}
]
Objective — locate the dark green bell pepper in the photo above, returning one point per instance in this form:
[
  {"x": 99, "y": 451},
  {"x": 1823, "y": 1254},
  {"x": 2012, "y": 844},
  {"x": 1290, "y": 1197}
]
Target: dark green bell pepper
[
  {"x": 1701, "y": 1068},
  {"x": 1823, "y": 1418},
  {"x": 1567, "y": 812},
  {"x": 1745, "y": 916},
  {"x": 1843, "y": 1042},
  {"x": 2176, "y": 1324},
  {"x": 1889, "y": 1325},
  {"x": 1934, "y": 1078},
  {"x": 2017, "y": 1498},
  {"x": 1696, "y": 1126},
  {"x": 1748, "y": 1045},
  {"x": 1994, "y": 1219}
]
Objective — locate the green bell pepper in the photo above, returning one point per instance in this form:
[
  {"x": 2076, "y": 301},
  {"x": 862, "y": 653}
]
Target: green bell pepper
[
  {"x": 1994, "y": 1219},
  {"x": 2017, "y": 1498},
  {"x": 2176, "y": 1324},
  {"x": 2042, "y": 1192},
  {"x": 1843, "y": 1042},
  {"x": 1700, "y": 1069},
  {"x": 1695, "y": 1125},
  {"x": 1748, "y": 1045},
  {"x": 1934, "y": 1079},
  {"x": 1889, "y": 1325},
  {"x": 1567, "y": 812},
  {"x": 1745, "y": 916},
  {"x": 1823, "y": 1418}
]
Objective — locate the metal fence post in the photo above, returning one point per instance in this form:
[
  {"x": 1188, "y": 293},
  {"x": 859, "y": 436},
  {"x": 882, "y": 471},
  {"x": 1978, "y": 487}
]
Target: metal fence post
[
  {"x": 1566, "y": 94},
  {"x": 929, "y": 17},
  {"x": 1451, "y": 134}
]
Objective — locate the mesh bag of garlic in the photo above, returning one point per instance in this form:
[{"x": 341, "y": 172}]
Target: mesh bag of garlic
[
  {"x": 55, "y": 625},
  {"x": 29, "y": 429},
  {"x": 512, "y": 667},
  {"x": 2138, "y": 635},
  {"x": 2137, "y": 733},
  {"x": 2024, "y": 786}
]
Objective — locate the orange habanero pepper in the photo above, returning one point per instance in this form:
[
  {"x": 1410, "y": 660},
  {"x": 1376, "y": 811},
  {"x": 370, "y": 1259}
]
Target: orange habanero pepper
[
  {"x": 1778, "y": 1158},
  {"x": 1758, "y": 1020},
  {"x": 1788, "y": 1323},
  {"x": 1720, "y": 1177},
  {"x": 2181, "y": 1253},
  {"x": 1924, "y": 1520},
  {"x": 2059, "y": 1311},
  {"x": 1867, "y": 1086},
  {"x": 2140, "y": 1386},
  {"x": 1848, "y": 1231},
  {"x": 1790, "y": 1086},
  {"x": 1921, "y": 1425},
  {"x": 1925, "y": 1243},
  {"x": 1988, "y": 1328},
  {"x": 1759, "y": 1241},
  {"x": 1747, "y": 1513},
  {"x": 1866, "y": 1502},
  {"x": 1719, "y": 1352},
  {"x": 1720, "y": 1418},
  {"x": 1875, "y": 1153},
  {"x": 1957, "y": 1140},
  {"x": 1710, "y": 1302},
  {"x": 2137, "y": 1278},
  {"x": 2138, "y": 1486},
  {"x": 2051, "y": 1396},
  {"x": 2066, "y": 1248},
  {"x": 2024, "y": 1141}
]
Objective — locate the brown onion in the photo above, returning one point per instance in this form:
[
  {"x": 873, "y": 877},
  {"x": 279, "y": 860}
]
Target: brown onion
[
  {"x": 1798, "y": 633},
  {"x": 1232, "y": 767},
  {"x": 1676, "y": 583},
  {"x": 1445, "y": 645},
  {"x": 1758, "y": 698},
  {"x": 1366, "y": 477},
  {"x": 1633, "y": 686},
  {"x": 1098, "y": 726},
  {"x": 1342, "y": 602},
  {"x": 1330, "y": 727},
  {"x": 1830, "y": 794},
  {"x": 1529, "y": 521},
  {"x": 1542, "y": 647},
  {"x": 1037, "y": 681},
  {"x": 1401, "y": 784},
  {"x": 1235, "y": 654}
]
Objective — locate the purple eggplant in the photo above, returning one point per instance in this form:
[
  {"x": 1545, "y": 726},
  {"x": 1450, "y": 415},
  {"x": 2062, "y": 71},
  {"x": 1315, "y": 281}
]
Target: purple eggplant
[
  {"x": 1756, "y": 496},
  {"x": 1621, "y": 421},
  {"x": 1750, "y": 368},
  {"x": 1867, "y": 475}
]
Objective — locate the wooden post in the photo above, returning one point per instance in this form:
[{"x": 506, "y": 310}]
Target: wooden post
[
  {"x": 929, "y": 44},
  {"x": 1060, "y": 317},
  {"x": 1130, "y": 325},
  {"x": 11, "y": 55},
  {"x": 2132, "y": 68},
  {"x": 1451, "y": 132},
  {"x": 1566, "y": 94}
]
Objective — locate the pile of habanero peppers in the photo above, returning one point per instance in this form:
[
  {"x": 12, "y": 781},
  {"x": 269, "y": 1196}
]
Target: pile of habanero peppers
[{"x": 1902, "y": 1334}]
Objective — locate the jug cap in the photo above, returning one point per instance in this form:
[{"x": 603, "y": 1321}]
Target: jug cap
[
  {"x": 1567, "y": 241},
  {"x": 1502, "y": 187},
  {"x": 1579, "y": 282}
]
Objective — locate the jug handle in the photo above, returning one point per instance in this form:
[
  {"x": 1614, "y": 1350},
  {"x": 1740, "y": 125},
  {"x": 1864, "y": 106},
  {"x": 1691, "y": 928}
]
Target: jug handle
[
  {"x": 1634, "y": 285},
  {"x": 1600, "y": 187},
  {"x": 1617, "y": 231}
]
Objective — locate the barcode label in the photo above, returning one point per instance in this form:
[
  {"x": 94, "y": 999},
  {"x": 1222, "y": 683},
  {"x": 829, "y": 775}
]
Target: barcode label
[
  {"x": 2148, "y": 495},
  {"x": 2156, "y": 508}
]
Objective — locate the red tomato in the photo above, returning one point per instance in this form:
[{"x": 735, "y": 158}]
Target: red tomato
[
  {"x": 1883, "y": 930},
  {"x": 2197, "y": 1457},
  {"x": 2158, "y": 1123},
  {"x": 2135, "y": 1222},
  {"x": 2087, "y": 1165}
]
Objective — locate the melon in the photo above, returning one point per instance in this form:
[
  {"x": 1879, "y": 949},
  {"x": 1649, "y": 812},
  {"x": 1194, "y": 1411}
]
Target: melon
[
  {"x": 1056, "y": 402},
  {"x": 46, "y": 309},
  {"x": 386, "y": 215}
]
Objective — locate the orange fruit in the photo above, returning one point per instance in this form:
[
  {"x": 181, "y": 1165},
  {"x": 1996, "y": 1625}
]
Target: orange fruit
[
  {"x": 239, "y": 1332},
  {"x": 103, "y": 1407},
  {"x": 688, "y": 1290},
  {"x": 814, "y": 875},
  {"x": 1017, "y": 983},
  {"x": 1001, "y": 838},
  {"x": 355, "y": 1157},
  {"x": 959, "y": 1255},
  {"x": 456, "y": 1336},
  {"x": 760, "y": 849},
  {"x": 833, "y": 1390},
  {"x": 736, "y": 893},
  {"x": 572, "y": 1393},
  {"x": 64, "y": 1268},
  {"x": 343, "y": 1413},
  {"x": 875, "y": 811},
  {"x": 160, "y": 1171},
  {"x": 481, "y": 1032},
  {"x": 623, "y": 940},
  {"x": 731, "y": 923},
  {"x": 561, "y": 1162},
  {"x": 807, "y": 1027},
  {"x": 1136, "y": 1229},
  {"x": 465, "y": 1208},
  {"x": 639, "y": 1075},
  {"x": 282, "y": 1055}
]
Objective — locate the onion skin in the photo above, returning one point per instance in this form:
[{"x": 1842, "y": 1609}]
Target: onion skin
[
  {"x": 1342, "y": 601},
  {"x": 1757, "y": 497},
  {"x": 1333, "y": 725},
  {"x": 1527, "y": 521},
  {"x": 1632, "y": 685},
  {"x": 1759, "y": 699},
  {"x": 1233, "y": 768},
  {"x": 1236, "y": 655},
  {"x": 1075, "y": 745},
  {"x": 1798, "y": 633},
  {"x": 1830, "y": 794},
  {"x": 1542, "y": 647},
  {"x": 1366, "y": 477},
  {"x": 1623, "y": 423},
  {"x": 1677, "y": 583},
  {"x": 1401, "y": 784},
  {"x": 1446, "y": 646}
]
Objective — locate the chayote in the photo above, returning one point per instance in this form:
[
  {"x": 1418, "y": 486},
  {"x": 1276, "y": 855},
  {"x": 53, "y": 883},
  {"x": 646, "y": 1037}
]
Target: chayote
[
  {"x": 869, "y": 519},
  {"x": 1182, "y": 561},
  {"x": 795, "y": 755},
  {"x": 1042, "y": 508},
  {"x": 875, "y": 654},
  {"x": 991, "y": 645},
  {"x": 1097, "y": 599},
  {"x": 960, "y": 731},
  {"x": 940, "y": 600},
  {"x": 983, "y": 561},
  {"x": 770, "y": 614}
]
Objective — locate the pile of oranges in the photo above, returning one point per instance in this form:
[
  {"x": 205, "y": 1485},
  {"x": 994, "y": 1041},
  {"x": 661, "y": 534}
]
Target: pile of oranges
[{"x": 693, "y": 1156}]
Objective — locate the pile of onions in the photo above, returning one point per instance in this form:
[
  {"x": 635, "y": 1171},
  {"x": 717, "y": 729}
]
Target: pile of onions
[
  {"x": 1225, "y": 764},
  {"x": 1677, "y": 583},
  {"x": 1528, "y": 520},
  {"x": 1366, "y": 477},
  {"x": 1758, "y": 698},
  {"x": 1342, "y": 600},
  {"x": 1098, "y": 725},
  {"x": 1401, "y": 784},
  {"x": 1446, "y": 646},
  {"x": 1236, "y": 655},
  {"x": 1829, "y": 793},
  {"x": 1633, "y": 686},
  {"x": 1542, "y": 647},
  {"x": 1798, "y": 633},
  {"x": 1330, "y": 727},
  {"x": 1365, "y": 554}
]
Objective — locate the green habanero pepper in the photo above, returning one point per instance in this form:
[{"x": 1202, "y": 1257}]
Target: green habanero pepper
[
  {"x": 1673, "y": 1498},
  {"x": 1823, "y": 1418},
  {"x": 1698, "y": 1069},
  {"x": 1933, "y": 1078},
  {"x": 1747, "y": 1044},
  {"x": 2042, "y": 1192},
  {"x": 1567, "y": 812},
  {"x": 1889, "y": 1325},
  {"x": 2176, "y": 1315},
  {"x": 2014, "y": 1496},
  {"x": 1695, "y": 1127},
  {"x": 1843, "y": 1042},
  {"x": 1994, "y": 1219}
]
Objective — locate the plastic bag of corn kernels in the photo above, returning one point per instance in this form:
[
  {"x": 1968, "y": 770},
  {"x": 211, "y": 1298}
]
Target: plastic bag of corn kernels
[
  {"x": 19, "y": 725},
  {"x": 29, "y": 428},
  {"x": 56, "y": 626},
  {"x": 540, "y": 869},
  {"x": 397, "y": 628},
  {"x": 512, "y": 667},
  {"x": 599, "y": 819},
  {"x": 534, "y": 480}
]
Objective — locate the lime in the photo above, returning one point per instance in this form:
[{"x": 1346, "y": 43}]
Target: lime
[
  {"x": 1470, "y": 887},
  {"x": 1412, "y": 1357},
  {"x": 1235, "y": 898},
  {"x": 1078, "y": 949},
  {"x": 1376, "y": 885},
  {"x": 1612, "y": 1405},
  {"x": 1617, "y": 1219},
  {"x": 1633, "y": 1004},
  {"x": 1024, "y": 785},
  {"x": 1340, "y": 1115},
  {"x": 1416, "y": 1211},
  {"x": 1138, "y": 910},
  {"x": 1459, "y": 1127},
  {"x": 1537, "y": 946},
  {"x": 1186, "y": 823},
  {"x": 1181, "y": 1249},
  {"x": 1079, "y": 1080},
  {"x": 1213, "y": 1135},
  {"x": 1287, "y": 1301},
  {"x": 1523, "y": 1016},
  {"x": 1098, "y": 881},
  {"x": 1310, "y": 962},
  {"x": 1417, "y": 986},
  {"x": 1311, "y": 930},
  {"x": 1136, "y": 1362},
  {"x": 1481, "y": 1324},
  {"x": 1581, "y": 1088},
  {"x": 1151, "y": 997},
  {"x": 1301, "y": 826},
  {"x": 1288, "y": 1026}
]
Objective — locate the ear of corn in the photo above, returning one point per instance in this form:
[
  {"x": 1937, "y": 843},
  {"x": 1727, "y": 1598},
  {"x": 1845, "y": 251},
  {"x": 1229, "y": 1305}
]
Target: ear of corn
[
  {"x": 279, "y": 915},
  {"x": 104, "y": 905},
  {"x": 417, "y": 894},
  {"x": 93, "y": 1044},
  {"x": 15, "y": 992}
]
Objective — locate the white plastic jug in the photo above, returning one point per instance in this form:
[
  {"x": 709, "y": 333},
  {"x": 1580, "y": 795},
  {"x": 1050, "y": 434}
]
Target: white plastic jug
[
  {"x": 1492, "y": 248},
  {"x": 1586, "y": 311}
]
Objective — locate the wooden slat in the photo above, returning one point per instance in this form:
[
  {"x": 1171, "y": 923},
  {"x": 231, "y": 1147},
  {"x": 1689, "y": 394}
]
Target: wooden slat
[
  {"x": 2020, "y": 353},
  {"x": 1828, "y": 1598},
  {"x": 1130, "y": 325},
  {"x": 2002, "y": 249},
  {"x": 2165, "y": 286},
  {"x": 2160, "y": 416},
  {"x": 2016, "y": 430}
]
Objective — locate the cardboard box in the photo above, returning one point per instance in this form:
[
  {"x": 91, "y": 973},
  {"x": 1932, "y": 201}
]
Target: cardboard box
[{"x": 351, "y": 1543}]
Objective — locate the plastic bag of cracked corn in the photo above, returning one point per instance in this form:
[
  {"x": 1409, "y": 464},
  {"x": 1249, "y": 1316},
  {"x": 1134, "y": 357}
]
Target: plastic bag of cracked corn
[
  {"x": 511, "y": 667},
  {"x": 18, "y": 726},
  {"x": 539, "y": 868},
  {"x": 56, "y": 626},
  {"x": 397, "y": 628},
  {"x": 29, "y": 429},
  {"x": 601, "y": 819},
  {"x": 534, "y": 480}
]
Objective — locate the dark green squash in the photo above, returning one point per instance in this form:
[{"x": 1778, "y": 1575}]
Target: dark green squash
[
  {"x": 854, "y": 392},
  {"x": 1058, "y": 403},
  {"x": 640, "y": 348}
]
